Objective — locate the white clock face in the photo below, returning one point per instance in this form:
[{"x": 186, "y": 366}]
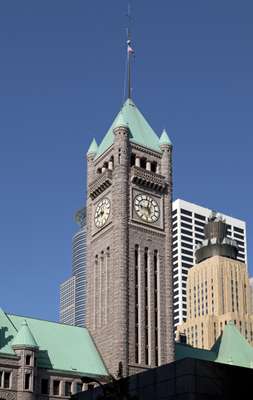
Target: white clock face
[
  {"x": 102, "y": 212},
  {"x": 146, "y": 208}
]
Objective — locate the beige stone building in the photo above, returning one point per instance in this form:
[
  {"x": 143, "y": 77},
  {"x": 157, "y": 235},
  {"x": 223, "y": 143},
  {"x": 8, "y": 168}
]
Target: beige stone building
[{"x": 218, "y": 290}]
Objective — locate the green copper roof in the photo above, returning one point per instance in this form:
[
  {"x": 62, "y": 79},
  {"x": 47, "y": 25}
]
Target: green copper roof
[
  {"x": 230, "y": 348},
  {"x": 61, "y": 347},
  {"x": 120, "y": 121},
  {"x": 187, "y": 351},
  {"x": 93, "y": 147},
  {"x": 24, "y": 337},
  {"x": 140, "y": 132},
  {"x": 164, "y": 139},
  {"x": 233, "y": 348}
]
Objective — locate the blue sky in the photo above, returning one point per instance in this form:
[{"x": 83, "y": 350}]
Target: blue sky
[{"x": 61, "y": 83}]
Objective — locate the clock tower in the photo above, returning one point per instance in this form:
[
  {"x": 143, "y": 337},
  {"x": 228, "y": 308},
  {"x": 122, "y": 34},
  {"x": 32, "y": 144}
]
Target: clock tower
[{"x": 129, "y": 263}]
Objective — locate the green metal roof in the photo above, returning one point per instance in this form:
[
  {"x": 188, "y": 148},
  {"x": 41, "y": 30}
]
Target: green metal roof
[
  {"x": 164, "y": 139},
  {"x": 187, "y": 351},
  {"x": 232, "y": 348},
  {"x": 140, "y": 132},
  {"x": 61, "y": 347},
  {"x": 120, "y": 121},
  {"x": 93, "y": 147},
  {"x": 24, "y": 337}
]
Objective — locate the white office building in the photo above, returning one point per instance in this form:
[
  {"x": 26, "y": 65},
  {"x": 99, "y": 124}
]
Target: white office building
[{"x": 188, "y": 221}]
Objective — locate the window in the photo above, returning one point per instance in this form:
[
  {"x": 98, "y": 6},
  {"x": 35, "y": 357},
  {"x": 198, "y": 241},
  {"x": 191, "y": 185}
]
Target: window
[
  {"x": 44, "y": 386},
  {"x": 67, "y": 388},
  {"x": 199, "y": 229},
  {"x": 199, "y": 223},
  {"x": 146, "y": 319},
  {"x": 187, "y": 245},
  {"x": 238, "y": 230},
  {"x": 79, "y": 387},
  {"x": 56, "y": 388},
  {"x": 7, "y": 379},
  {"x": 186, "y": 239},
  {"x": 200, "y": 217},
  {"x": 174, "y": 239},
  {"x": 136, "y": 303},
  {"x": 27, "y": 381},
  {"x": 238, "y": 236},
  {"x": 187, "y": 226},
  {"x": 174, "y": 212},
  {"x": 186, "y": 212},
  {"x": 187, "y": 252},
  {"x": 199, "y": 236},
  {"x": 28, "y": 359},
  {"x": 184, "y": 232},
  {"x": 188, "y": 259},
  {"x": 183, "y": 218}
]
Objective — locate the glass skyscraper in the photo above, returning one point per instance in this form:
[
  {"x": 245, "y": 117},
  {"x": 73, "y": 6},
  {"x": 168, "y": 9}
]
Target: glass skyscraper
[{"x": 73, "y": 290}]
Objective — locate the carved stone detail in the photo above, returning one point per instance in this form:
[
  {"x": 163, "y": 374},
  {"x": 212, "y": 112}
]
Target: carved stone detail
[
  {"x": 100, "y": 184},
  {"x": 148, "y": 179}
]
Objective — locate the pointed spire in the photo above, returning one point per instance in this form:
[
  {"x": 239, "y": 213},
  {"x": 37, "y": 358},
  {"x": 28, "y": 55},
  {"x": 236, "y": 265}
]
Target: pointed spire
[
  {"x": 120, "y": 121},
  {"x": 24, "y": 338},
  {"x": 164, "y": 139},
  {"x": 93, "y": 147}
]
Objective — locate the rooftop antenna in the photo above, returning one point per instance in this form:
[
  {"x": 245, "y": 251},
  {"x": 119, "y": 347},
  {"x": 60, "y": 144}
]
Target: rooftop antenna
[{"x": 130, "y": 53}]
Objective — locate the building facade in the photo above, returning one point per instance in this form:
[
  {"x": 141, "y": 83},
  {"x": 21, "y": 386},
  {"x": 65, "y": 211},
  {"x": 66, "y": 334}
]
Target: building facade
[
  {"x": 45, "y": 360},
  {"x": 73, "y": 290},
  {"x": 218, "y": 290},
  {"x": 129, "y": 265},
  {"x": 251, "y": 292},
  {"x": 67, "y": 301},
  {"x": 188, "y": 231}
]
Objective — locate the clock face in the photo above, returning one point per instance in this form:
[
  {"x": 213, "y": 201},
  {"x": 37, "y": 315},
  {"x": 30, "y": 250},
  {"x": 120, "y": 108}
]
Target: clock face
[
  {"x": 146, "y": 208},
  {"x": 102, "y": 212}
]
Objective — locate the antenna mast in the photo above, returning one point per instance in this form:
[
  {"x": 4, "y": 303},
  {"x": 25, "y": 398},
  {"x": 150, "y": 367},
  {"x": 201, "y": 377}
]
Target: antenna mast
[{"x": 130, "y": 52}]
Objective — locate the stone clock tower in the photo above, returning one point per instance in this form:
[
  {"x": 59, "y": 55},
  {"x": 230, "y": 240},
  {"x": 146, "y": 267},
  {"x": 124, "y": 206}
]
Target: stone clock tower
[{"x": 129, "y": 267}]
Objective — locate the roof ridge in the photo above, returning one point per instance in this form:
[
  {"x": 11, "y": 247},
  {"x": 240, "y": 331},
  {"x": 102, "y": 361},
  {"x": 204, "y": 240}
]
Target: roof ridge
[{"x": 40, "y": 319}]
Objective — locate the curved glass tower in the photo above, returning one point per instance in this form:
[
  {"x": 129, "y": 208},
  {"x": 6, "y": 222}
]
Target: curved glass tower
[
  {"x": 73, "y": 290},
  {"x": 79, "y": 251}
]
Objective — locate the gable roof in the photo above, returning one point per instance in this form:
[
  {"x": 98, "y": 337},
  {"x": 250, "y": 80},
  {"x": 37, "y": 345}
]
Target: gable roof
[
  {"x": 232, "y": 348},
  {"x": 61, "y": 347},
  {"x": 140, "y": 132}
]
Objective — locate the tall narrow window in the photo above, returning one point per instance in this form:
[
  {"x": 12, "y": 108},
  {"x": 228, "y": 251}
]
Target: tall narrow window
[
  {"x": 44, "y": 386},
  {"x": 95, "y": 291},
  {"x": 156, "y": 306},
  {"x": 7, "y": 380},
  {"x": 136, "y": 275},
  {"x": 27, "y": 381},
  {"x": 56, "y": 388},
  {"x": 107, "y": 262},
  {"x": 146, "y": 306},
  {"x": 67, "y": 388},
  {"x": 28, "y": 359}
]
